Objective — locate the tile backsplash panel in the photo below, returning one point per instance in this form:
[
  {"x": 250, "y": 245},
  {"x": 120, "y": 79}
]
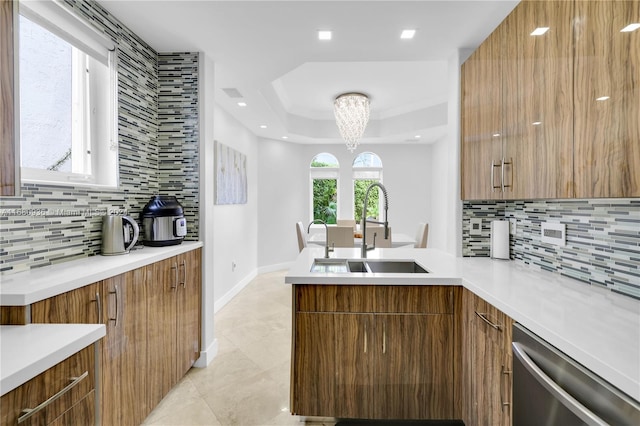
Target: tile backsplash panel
[
  {"x": 602, "y": 241},
  {"x": 178, "y": 136},
  {"x": 50, "y": 224}
]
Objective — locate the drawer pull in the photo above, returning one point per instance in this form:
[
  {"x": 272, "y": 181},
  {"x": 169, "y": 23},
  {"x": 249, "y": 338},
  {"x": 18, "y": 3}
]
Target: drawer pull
[
  {"x": 483, "y": 317},
  {"x": 28, "y": 412}
]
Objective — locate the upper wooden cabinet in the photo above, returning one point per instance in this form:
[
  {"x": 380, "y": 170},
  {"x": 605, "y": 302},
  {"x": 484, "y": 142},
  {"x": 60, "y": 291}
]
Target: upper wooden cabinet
[
  {"x": 482, "y": 119},
  {"x": 7, "y": 98},
  {"x": 607, "y": 131},
  {"x": 537, "y": 99},
  {"x": 555, "y": 139}
]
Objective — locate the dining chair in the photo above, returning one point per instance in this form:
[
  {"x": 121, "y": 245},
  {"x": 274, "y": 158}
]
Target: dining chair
[
  {"x": 422, "y": 235},
  {"x": 302, "y": 240},
  {"x": 381, "y": 242},
  {"x": 341, "y": 236},
  {"x": 347, "y": 222}
]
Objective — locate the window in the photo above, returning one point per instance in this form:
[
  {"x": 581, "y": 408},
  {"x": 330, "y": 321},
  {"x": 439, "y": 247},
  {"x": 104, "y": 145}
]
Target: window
[
  {"x": 324, "y": 187},
  {"x": 367, "y": 169},
  {"x": 68, "y": 101}
]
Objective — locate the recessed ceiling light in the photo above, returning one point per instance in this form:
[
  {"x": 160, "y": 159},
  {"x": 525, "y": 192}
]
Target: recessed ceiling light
[
  {"x": 324, "y": 35},
  {"x": 630, "y": 27},
  {"x": 242, "y": 104},
  {"x": 495, "y": 135},
  {"x": 417, "y": 136},
  {"x": 602, "y": 98},
  {"x": 539, "y": 31},
  {"x": 407, "y": 34},
  {"x": 537, "y": 123},
  {"x": 263, "y": 126},
  {"x": 285, "y": 137}
]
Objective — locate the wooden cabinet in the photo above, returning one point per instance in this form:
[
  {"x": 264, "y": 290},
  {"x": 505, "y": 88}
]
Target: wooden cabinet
[
  {"x": 486, "y": 372},
  {"x": 374, "y": 351},
  {"x": 72, "y": 382},
  {"x": 174, "y": 322},
  {"x": 517, "y": 96},
  {"x": 482, "y": 120},
  {"x": 161, "y": 330},
  {"x": 8, "y": 41},
  {"x": 607, "y": 99},
  {"x": 124, "y": 349},
  {"x": 152, "y": 317},
  {"x": 537, "y": 142},
  {"x": 189, "y": 305},
  {"x": 562, "y": 107},
  {"x": 83, "y": 305}
]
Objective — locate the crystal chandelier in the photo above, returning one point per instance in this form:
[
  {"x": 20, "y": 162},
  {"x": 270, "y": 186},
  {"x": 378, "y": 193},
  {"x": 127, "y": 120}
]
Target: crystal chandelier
[{"x": 352, "y": 115}]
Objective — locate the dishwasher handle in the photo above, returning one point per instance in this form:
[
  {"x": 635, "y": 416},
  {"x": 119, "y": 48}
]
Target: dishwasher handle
[{"x": 556, "y": 390}]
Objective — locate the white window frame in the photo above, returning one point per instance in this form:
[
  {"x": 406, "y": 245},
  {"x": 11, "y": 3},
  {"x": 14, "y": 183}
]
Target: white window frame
[{"x": 94, "y": 142}]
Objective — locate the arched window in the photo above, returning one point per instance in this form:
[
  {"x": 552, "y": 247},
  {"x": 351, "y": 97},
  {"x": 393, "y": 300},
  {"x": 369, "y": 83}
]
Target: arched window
[
  {"x": 367, "y": 169},
  {"x": 323, "y": 174}
]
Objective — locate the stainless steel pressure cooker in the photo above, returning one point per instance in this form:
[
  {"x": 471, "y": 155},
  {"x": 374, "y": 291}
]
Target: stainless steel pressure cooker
[{"x": 163, "y": 221}]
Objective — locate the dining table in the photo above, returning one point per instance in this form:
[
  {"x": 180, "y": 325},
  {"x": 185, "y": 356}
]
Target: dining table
[{"x": 397, "y": 239}]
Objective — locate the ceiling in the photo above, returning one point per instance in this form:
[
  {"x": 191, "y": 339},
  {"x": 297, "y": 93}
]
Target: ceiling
[{"x": 269, "y": 52}]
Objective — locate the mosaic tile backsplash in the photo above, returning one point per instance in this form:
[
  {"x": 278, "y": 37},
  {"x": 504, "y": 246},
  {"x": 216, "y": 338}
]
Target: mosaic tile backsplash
[
  {"x": 178, "y": 136},
  {"x": 50, "y": 224},
  {"x": 602, "y": 239}
]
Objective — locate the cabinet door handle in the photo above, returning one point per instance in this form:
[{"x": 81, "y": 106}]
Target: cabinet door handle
[
  {"x": 493, "y": 188},
  {"x": 493, "y": 181},
  {"x": 115, "y": 292},
  {"x": 384, "y": 337},
  {"x": 28, "y": 412},
  {"x": 483, "y": 317},
  {"x": 175, "y": 276},
  {"x": 184, "y": 274},
  {"x": 98, "y": 307},
  {"x": 502, "y": 164},
  {"x": 505, "y": 374},
  {"x": 365, "y": 337}
]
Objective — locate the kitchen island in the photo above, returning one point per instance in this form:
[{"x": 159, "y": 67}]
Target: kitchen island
[{"x": 594, "y": 326}]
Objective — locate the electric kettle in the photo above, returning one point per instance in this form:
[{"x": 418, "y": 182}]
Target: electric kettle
[{"x": 116, "y": 234}]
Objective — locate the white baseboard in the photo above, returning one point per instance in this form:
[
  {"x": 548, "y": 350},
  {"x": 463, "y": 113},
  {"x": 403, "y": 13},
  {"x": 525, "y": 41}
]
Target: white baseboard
[
  {"x": 274, "y": 268},
  {"x": 207, "y": 355},
  {"x": 226, "y": 298}
]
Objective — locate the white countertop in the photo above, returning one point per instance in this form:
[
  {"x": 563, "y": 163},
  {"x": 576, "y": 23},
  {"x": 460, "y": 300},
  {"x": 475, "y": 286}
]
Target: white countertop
[
  {"x": 596, "y": 327},
  {"x": 31, "y": 286},
  {"x": 28, "y": 350}
]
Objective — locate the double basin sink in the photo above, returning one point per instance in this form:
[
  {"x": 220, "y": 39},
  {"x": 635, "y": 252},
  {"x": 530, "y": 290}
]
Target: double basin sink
[{"x": 346, "y": 266}]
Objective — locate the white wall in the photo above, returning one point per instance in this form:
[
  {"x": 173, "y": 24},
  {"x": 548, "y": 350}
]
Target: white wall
[
  {"x": 235, "y": 243},
  {"x": 445, "y": 231},
  {"x": 206, "y": 78},
  {"x": 284, "y": 190}
]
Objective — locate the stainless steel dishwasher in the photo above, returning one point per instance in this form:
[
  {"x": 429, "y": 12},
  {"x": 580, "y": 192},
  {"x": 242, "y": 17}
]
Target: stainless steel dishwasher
[{"x": 549, "y": 388}]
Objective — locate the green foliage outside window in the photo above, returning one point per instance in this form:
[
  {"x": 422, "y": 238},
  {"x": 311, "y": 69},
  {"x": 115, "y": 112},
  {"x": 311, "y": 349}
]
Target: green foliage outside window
[
  {"x": 325, "y": 205},
  {"x": 359, "y": 191}
]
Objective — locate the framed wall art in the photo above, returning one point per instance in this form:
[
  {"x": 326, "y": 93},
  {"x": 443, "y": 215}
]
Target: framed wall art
[{"x": 231, "y": 175}]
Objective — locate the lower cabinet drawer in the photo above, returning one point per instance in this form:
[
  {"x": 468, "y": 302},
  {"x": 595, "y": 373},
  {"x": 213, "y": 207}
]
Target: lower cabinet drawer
[
  {"x": 52, "y": 393},
  {"x": 82, "y": 413}
]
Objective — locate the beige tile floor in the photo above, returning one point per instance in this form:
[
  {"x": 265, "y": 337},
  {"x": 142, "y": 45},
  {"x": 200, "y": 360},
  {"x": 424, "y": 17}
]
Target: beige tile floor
[{"x": 247, "y": 383}]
